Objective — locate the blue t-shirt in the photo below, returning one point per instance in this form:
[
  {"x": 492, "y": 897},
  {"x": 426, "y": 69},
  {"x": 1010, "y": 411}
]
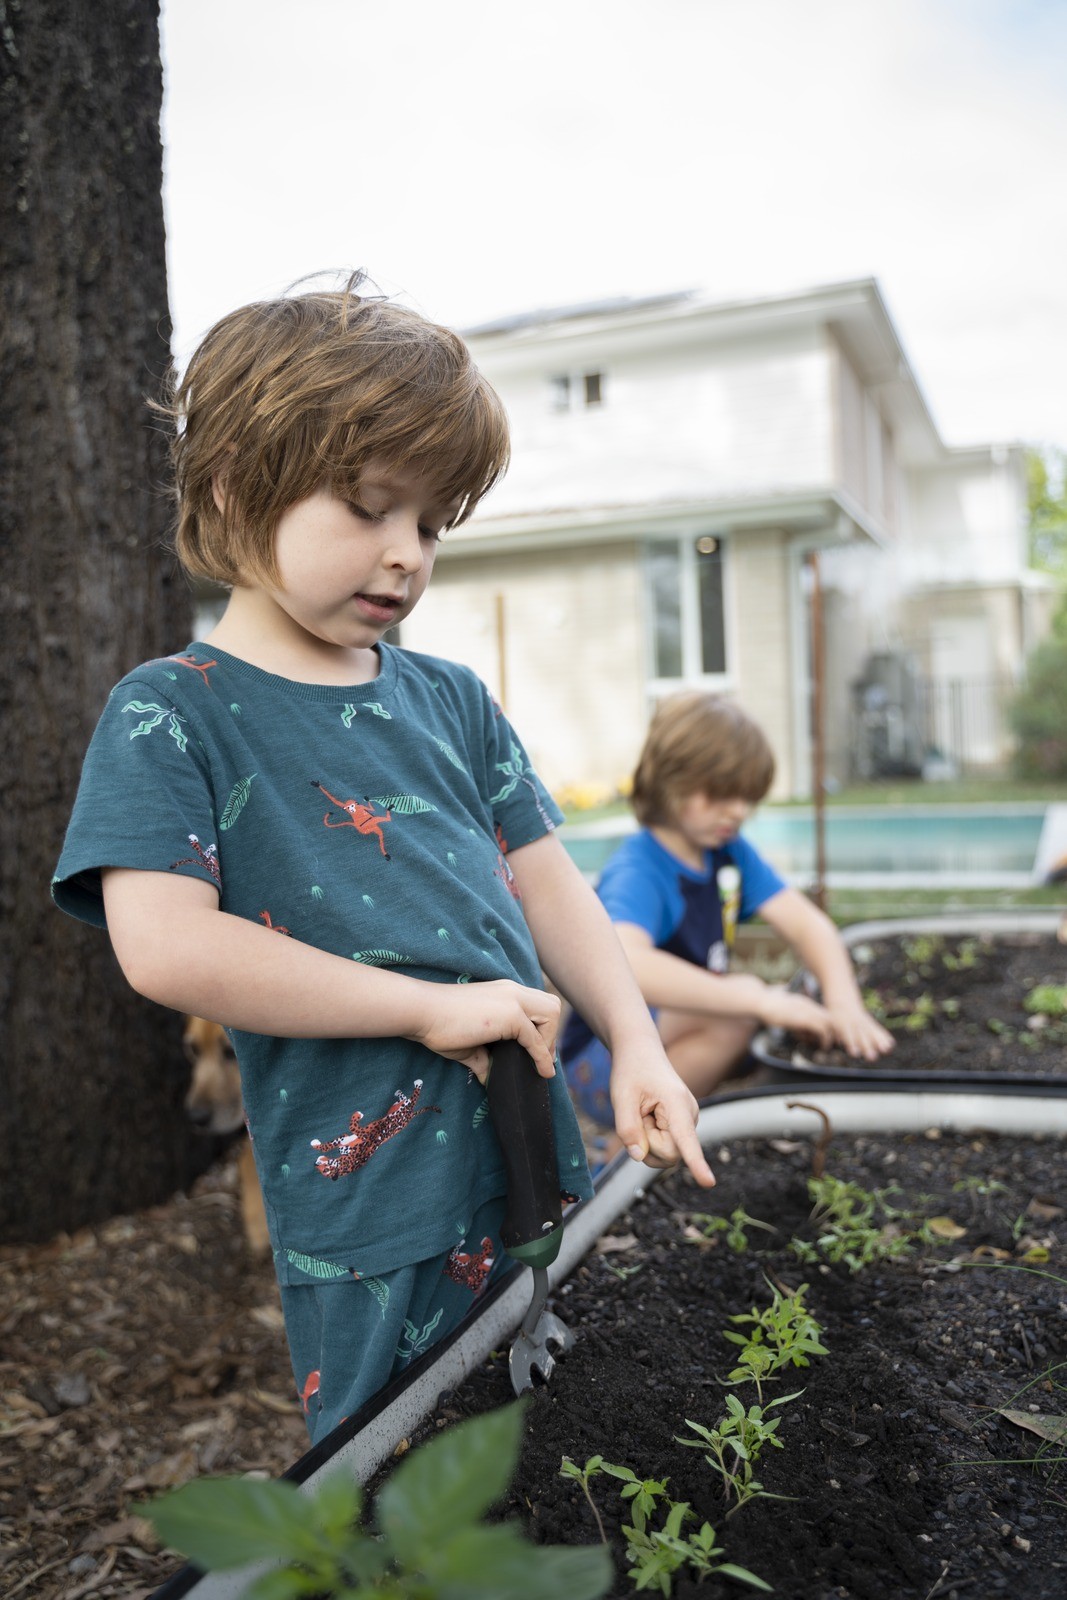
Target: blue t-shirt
[
  {"x": 373, "y": 821},
  {"x": 684, "y": 910}
]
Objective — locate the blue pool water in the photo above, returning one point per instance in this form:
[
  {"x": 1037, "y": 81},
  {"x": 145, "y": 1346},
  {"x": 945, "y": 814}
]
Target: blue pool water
[{"x": 978, "y": 845}]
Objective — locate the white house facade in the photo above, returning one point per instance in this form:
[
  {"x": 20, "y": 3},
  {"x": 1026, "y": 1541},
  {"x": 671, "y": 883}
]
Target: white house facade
[{"x": 676, "y": 466}]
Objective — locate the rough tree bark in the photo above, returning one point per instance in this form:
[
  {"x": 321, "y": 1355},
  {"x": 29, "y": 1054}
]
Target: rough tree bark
[{"x": 91, "y": 1077}]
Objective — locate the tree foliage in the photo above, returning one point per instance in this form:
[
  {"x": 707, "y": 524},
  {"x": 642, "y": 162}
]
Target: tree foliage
[
  {"x": 1038, "y": 714},
  {"x": 1046, "y": 477}
]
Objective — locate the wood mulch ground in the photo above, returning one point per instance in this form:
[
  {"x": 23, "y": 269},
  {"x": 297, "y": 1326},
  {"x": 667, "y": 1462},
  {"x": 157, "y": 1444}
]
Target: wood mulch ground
[{"x": 133, "y": 1356}]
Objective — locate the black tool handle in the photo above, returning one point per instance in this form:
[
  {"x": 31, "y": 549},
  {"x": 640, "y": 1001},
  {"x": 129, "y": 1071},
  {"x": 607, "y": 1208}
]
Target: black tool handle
[{"x": 520, "y": 1109}]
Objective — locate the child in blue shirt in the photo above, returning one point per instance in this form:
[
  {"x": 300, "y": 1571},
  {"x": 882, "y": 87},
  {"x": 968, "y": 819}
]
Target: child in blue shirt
[
  {"x": 676, "y": 890},
  {"x": 338, "y": 848}
]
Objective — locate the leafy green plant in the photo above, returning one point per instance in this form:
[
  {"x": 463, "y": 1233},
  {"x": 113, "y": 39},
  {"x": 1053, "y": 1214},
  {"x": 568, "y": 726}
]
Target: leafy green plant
[
  {"x": 855, "y": 1226},
  {"x": 1047, "y": 999},
  {"x": 428, "y": 1543},
  {"x": 922, "y": 1013},
  {"x": 735, "y": 1227},
  {"x": 657, "y": 1553},
  {"x": 964, "y": 959},
  {"x": 921, "y": 950},
  {"x": 735, "y": 1445},
  {"x": 583, "y": 1476},
  {"x": 783, "y": 1334}
]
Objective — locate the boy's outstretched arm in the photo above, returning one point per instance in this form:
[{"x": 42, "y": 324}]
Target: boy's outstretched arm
[
  {"x": 178, "y": 948},
  {"x": 815, "y": 940},
  {"x": 655, "y": 1113}
]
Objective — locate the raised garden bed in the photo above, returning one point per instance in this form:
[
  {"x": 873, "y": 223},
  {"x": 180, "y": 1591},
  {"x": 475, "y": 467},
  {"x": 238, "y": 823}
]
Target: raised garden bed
[
  {"x": 907, "y": 1481},
  {"x": 973, "y": 1000}
]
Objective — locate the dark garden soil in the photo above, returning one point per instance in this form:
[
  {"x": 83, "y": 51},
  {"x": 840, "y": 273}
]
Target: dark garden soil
[
  {"x": 959, "y": 1006},
  {"x": 907, "y": 1483}
]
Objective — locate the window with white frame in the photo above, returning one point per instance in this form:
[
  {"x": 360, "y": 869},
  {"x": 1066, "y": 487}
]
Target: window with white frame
[
  {"x": 686, "y": 610},
  {"x": 575, "y": 390}
]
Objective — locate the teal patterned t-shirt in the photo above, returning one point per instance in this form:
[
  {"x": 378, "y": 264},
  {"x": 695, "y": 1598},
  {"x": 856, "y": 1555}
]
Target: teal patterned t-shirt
[{"x": 372, "y": 821}]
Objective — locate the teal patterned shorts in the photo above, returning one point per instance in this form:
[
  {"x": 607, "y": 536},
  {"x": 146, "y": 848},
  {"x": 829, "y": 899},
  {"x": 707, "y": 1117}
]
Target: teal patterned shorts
[{"x": 350, "y": 1336}]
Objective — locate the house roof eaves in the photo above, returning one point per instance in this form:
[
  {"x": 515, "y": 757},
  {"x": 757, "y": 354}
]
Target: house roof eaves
[{"x": 801, "y": 512}]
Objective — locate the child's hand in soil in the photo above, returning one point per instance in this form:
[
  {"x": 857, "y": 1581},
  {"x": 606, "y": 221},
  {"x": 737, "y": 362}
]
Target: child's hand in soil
[
  {"x": 796, "y": 1013},
  {"x": 655, "y": 1112},
  {"x": 857, "y": 1032}
]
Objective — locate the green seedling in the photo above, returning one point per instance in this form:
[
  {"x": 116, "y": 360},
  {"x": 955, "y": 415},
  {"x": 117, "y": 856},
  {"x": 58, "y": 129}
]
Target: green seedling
[
  {"x": 430, "y": 1541},
  {"x": 966, "y": 956},
  {"x": 736, "y": 1444},
  {"x": 1047, "y": 999},
  {"x": 783, "y": 1334},
  {"x": 734, "y": 1227},
  {"x": 658, "y": 1554},
  {"x": 922, "y": 950},
  {"x": 583, "y": 1476},
  {"x": 643, "y": 1493},
  {"x": 850, "y": 1229},
  {"x": 619, "y": 1271},
  {"x": 973, "y": 1184}
]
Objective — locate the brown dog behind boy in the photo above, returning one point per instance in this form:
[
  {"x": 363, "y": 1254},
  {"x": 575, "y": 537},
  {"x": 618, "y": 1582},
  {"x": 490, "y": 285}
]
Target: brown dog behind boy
[{"x": 214, "y": 1105}]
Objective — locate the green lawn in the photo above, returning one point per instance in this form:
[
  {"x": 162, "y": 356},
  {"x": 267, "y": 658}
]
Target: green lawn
[{"x": 901, "y": 792}]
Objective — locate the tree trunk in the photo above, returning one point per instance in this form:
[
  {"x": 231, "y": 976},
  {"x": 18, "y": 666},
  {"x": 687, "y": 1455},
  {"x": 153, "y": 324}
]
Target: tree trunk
[{"x": 91, "y": 1076}]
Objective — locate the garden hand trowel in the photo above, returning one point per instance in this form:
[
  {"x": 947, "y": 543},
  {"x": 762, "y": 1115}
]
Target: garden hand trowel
[{"x": 521, "y": 1113}]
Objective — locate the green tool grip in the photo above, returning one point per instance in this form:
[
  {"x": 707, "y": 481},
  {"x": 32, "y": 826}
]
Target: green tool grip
[{"x": 520, "y": 1109}]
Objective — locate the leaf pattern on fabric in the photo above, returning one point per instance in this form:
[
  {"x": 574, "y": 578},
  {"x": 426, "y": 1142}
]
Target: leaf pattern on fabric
[
  {"x": 379, "y": 958},
  {"x": 405, "y": 805},
  {"x": 417, "y": 1341},
  {"x": 379, "y": 710},
  {"x": 450, "y": 755},
  {"x": 347, "y": 714},
  {"x": 481, "y": 1113},
  {"x": 378, "y": 1288},
  {"x": 238, "y": 800},
  {"x": 153, "y": 716},
  {"x": 313, "y": 1267},
  {"x": 512, "y": 770}
]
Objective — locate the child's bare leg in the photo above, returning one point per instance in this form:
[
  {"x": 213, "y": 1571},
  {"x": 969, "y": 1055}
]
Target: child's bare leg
[{"x": 703, "y": 1049}]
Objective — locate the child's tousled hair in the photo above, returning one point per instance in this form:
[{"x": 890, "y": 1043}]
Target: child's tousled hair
[
  {"x": 699, "y": 743},
  {"x": 286, "y": 397}
]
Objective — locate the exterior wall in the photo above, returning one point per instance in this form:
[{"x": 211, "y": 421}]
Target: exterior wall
[
  {"x": 968, "y": 520},
  {"x": 965, "y": 632},
  {"x": 865, "y": 450},
  {"x": 850, "y": 428},
  {"x": 706, "y": 420},
  {"x": 764, "y": 643},
  {"x": 574, "y": 654}
]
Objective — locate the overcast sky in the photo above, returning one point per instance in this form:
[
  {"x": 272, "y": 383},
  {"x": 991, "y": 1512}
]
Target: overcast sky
[{"x": 481, "y": 157}]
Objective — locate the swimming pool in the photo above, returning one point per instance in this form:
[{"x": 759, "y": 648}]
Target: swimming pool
[{"x": 979, "y": 846}]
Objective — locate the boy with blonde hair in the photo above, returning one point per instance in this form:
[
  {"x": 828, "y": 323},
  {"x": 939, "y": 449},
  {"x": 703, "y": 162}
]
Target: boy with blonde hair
[
  {"x": 337, "y": 848},
  {"x": 676, "y": 890}
]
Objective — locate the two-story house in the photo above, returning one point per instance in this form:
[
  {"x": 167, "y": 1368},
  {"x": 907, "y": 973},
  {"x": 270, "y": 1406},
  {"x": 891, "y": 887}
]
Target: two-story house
[{"x": 675, "y": 464}]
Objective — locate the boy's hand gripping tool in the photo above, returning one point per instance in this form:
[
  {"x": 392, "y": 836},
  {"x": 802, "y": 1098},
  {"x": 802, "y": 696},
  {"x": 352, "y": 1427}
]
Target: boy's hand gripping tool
[{"x": 521, "y": 1113}]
